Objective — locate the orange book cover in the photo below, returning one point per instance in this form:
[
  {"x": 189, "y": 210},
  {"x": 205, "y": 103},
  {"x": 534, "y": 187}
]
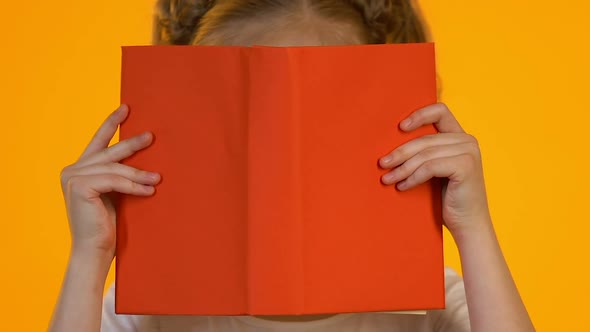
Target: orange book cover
[{"x": 271, "y": 200}]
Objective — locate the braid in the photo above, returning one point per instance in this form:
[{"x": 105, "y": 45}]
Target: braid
[
  {"x": 393, "y": 21},
  {"x": 408, "y": 26},
  {"x": 387, "y": 21},
  {"x": 176, "y": 21}
]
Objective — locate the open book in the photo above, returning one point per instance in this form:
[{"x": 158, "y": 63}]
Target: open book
[{"x": 271, "y": 200}]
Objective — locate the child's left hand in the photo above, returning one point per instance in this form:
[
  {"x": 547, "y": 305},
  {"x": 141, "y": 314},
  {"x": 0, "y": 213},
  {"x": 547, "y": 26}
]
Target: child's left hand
[{"x": 450, "y": 154}]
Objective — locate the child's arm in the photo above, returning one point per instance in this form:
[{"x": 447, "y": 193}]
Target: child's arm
[
  {"x": 492, "y": 298},
  {"x": 88, "y": 186},
  {"x": 80, "y": 302}
]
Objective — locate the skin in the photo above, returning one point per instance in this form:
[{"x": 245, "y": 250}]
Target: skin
[{"x": 91, "y": 183}]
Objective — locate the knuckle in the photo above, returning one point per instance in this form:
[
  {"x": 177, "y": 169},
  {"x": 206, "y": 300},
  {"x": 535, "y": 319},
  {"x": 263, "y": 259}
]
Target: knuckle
[
  {"x": 428, "y": 153},
  {"x": 106, "y": 153},
  {"x": 420, "y": 173},
  {"x": 135, "y": 187},
  {"x": 469, "y": 161},
  {"x": 403, "y": 168},
  {"x": 472, "y": 139},
  {"x": 442, "y": 107},
  {"x": 75, "y": 184},
  {"x": 115, "y": 181},
  {"x": 112, "y": 168},
  {"x": 476, "y": 153},
  {"x": 473, "y": 145},
  {"x": 426, "y": 170},
  {"x": 64, "y": 174},
  {"x": 428, "y": 166},
  {"x": 138, "y": 173},
  {"x": 429, "y": 137},
  {"x": 400, "y": 153},
  {"x": 113, "y": 178}
]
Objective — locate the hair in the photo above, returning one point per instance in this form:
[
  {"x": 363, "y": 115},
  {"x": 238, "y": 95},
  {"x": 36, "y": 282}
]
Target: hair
[{"x": 194, "y": 22}]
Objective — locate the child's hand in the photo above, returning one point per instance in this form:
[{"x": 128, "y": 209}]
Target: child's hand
[
  {"x": 90, "y": 183},
  {"x": 451, "y": 154}
]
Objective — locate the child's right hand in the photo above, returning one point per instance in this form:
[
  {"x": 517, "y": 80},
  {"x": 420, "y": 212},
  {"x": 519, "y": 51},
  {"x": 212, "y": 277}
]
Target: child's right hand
[{"x": 91, "y": 183}]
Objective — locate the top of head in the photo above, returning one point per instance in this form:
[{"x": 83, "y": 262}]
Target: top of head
[{"x": 286, "y": 22}]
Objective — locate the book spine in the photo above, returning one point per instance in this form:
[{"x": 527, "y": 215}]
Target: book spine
[{"x": 275, "y": 260}]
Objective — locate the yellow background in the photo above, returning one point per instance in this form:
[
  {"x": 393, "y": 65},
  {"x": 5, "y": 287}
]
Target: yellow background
[{"x": 515, "y": 73}]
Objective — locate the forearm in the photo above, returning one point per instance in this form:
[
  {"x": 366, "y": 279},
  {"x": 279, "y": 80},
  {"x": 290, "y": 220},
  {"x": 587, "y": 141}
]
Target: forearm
[
  {"x": 80, "y": 302},
  {"x": 492, "y": 297}
]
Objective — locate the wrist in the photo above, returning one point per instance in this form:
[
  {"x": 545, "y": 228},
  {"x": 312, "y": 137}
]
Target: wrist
[
  {"x": 90, "y": 248},
  {"x": 93, "y": 261},
  {"x": 476, "y": 229}
]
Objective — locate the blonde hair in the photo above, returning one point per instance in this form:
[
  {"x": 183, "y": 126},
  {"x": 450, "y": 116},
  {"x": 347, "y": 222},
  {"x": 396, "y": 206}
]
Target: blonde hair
[{"x": 192, "y": 22}]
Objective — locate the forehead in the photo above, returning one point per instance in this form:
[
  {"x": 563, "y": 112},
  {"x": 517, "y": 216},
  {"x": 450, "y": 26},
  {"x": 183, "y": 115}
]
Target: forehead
[
  {"x": 285, "y": 31},
  {"x": 304, "y": 37}
]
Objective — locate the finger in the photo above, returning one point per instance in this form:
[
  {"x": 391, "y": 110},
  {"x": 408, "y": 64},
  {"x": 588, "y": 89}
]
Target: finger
[
  {"x": 120, "y": 150},
  {"x": 437, "y": 114},
  {"x": 106, "y": 131},
  {"x": 131, "y": 173},
  {"x": 447, "y": 167},
  {"x": 411, "y": 148},
  {"x": 411, "y": 165},
  {"x": 92, "y": 186}
]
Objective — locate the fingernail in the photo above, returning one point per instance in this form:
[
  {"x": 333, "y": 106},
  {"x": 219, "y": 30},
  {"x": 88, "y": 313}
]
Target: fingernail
[
  {"x": 386, "y": 160},
  {"x": 406, "y": 123},
  {"x": 153, "y": 175},
  {"x": 402, "y": 185},
  {"x": 389, "y": 178},
  {"x": 121, "y": 108}
]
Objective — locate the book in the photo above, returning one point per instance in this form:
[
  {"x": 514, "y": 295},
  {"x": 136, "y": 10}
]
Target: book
[{"x": 271, "y": 201}]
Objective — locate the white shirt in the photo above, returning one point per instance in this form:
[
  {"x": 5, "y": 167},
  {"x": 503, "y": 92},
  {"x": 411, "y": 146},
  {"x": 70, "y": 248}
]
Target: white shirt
[{"x": 454, "y": 318}]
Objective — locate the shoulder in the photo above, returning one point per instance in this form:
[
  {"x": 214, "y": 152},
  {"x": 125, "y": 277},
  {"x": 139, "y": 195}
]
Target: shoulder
[{"x": 112, "y": 322}]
